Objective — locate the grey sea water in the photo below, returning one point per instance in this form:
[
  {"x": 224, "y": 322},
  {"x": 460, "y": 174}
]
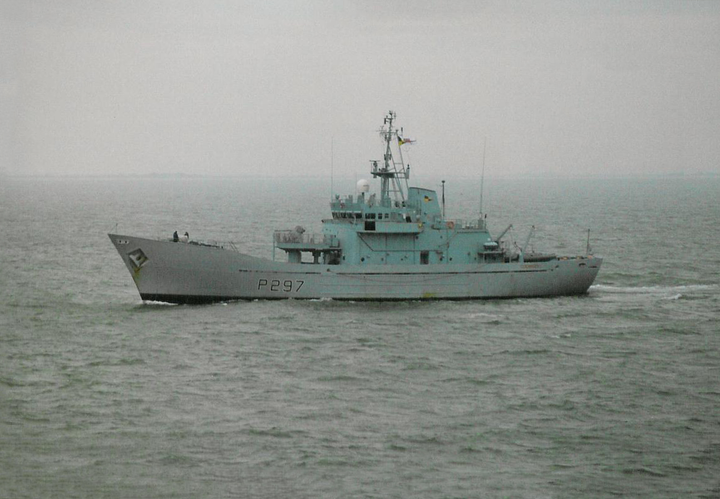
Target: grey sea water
[{"x": 611, "y": 394}]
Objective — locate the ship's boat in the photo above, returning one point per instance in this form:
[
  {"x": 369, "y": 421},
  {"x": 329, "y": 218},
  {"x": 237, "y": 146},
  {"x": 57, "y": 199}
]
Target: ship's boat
[{"x": 397, "y": 245}]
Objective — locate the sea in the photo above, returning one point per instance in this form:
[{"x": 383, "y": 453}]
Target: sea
[{"x": 612, "y": 394}]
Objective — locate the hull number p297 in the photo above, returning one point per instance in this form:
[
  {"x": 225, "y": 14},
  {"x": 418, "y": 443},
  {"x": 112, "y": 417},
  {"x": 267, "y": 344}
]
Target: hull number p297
[{"x": 286, "y": 286}]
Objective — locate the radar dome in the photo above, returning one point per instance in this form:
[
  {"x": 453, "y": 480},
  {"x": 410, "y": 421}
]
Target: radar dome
[{"x": 363, "y": 186}]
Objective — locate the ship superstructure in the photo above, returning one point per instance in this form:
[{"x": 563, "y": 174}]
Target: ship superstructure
[{"x": 403, "y": 226}]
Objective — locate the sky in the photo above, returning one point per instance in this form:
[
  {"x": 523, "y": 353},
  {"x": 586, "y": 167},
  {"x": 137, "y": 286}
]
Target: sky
[{"x": 263, "y": 88}]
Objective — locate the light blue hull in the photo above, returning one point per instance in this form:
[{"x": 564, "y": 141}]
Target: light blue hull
[{"x": 191, "y": 273}]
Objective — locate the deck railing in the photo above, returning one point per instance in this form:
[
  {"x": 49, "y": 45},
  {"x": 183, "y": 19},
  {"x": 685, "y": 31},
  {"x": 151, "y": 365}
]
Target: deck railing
[
  {"x": 292, "y": 236},
  {"x": 474, "y": 224}
]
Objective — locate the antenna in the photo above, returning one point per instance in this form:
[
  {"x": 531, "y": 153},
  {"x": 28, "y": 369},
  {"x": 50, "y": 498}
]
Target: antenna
[
  {"x": 332, "y": 159},
  {"x": 588, "y": 250},
  {"x": 482, "y": 178},
  {"x": 443, "y": 199}
]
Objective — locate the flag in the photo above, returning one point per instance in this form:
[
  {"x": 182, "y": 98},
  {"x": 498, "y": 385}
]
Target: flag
[{"x": 402, "y": 141}]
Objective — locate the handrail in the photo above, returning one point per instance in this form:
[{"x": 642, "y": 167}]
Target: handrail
[
  {"x": 461, "y": 223},
  {"x": 210, "y": 243},
  {"x": 292, "y": 236}
]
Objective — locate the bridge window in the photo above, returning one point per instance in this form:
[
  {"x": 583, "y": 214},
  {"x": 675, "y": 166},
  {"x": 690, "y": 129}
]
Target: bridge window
[{"x": 424, "y": 257}]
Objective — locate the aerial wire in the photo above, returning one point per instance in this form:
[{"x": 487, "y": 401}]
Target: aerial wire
[{"x": 482, "y": 178}]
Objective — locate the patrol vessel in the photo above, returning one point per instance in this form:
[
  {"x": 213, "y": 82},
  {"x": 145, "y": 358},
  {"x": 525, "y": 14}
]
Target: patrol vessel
[{"x": 397, "y": 245}]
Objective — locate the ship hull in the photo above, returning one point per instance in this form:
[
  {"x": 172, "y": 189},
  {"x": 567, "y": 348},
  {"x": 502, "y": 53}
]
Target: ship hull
[{"x": 177, "y": 272}]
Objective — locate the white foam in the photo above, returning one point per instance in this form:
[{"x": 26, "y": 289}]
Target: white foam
[{"x": 159, "y": 303}]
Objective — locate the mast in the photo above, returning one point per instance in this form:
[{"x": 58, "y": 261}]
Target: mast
[{"x": 392, "y": 171}]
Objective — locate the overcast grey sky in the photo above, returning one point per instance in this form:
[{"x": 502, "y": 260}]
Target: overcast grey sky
[{"x": 232, "y": 88}]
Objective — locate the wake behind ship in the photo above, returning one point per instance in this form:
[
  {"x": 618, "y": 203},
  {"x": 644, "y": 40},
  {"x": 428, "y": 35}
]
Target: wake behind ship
[{"x": 395, "y": 246}]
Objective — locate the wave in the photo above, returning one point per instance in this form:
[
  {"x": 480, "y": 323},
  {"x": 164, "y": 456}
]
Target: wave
[
  {"x": 676, "y": 290},
  {"x": 484, "y": 315}
]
